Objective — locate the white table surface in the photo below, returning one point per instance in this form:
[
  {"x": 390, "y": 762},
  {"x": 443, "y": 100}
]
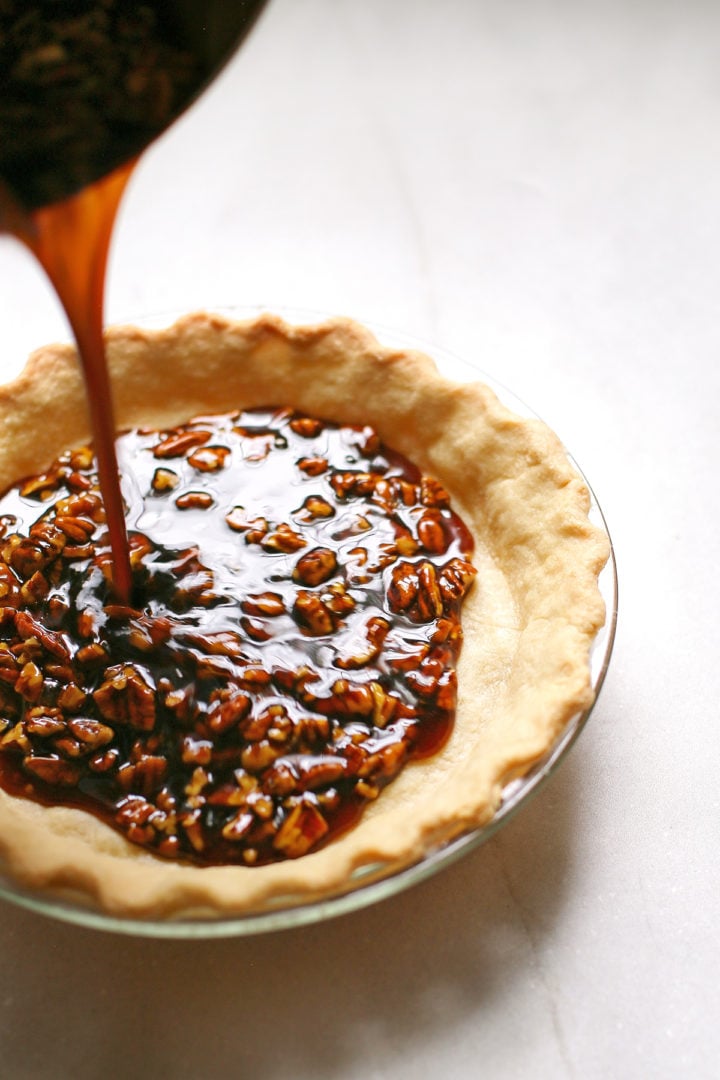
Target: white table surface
[{"x": 536, "y": 186}]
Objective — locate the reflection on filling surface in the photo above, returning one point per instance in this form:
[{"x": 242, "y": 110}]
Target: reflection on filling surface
[{"x": 290, "y": 643}]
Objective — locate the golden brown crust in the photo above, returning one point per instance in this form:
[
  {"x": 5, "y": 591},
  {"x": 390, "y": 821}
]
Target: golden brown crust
[{"x": 529, "y": 621}]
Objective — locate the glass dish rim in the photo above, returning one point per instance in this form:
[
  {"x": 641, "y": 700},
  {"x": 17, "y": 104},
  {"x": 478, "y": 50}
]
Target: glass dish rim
[{"x": 516, "y": 794}]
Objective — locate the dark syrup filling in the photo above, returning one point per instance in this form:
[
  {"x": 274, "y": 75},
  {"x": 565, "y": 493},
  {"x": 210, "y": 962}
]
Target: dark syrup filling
[{"x": 290, "y": 643}]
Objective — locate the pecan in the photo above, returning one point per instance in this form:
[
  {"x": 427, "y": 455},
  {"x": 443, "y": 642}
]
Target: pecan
[
  {"x": 306, "y": 426},
  {"x": 82, "y": 504},
  {"x": 384, "y": 705},
  {"x": 347, "y": 485},
  {"x": 209, "y": 458},
  {"x": 338, "y": 599},
  {"x": 76, "y": 528},
  {"x": 78, "y": 551},
  {"x": 217, "y": 643},
  {"x": 431, "y": 533},
  {"x": 261, "y": 805},
  {"x": 314, "y": 507},
  {"x": 446, "y": 691},
  {"x": 238, "y": 826},
  {"x": 385, "y": 762},
  {"x": 282, "y": 727},
  {"x": 42, "y": 484},
  {"x": 35, "y": 588},
  {"x": 351, "y": 699},
  {"x": 405, "y": 544},
  {"x": 301, "y": 830},
  {"x": 44, "y": 722},
  {"x": 317, "y": 772},
  {"x": 363, "y": 645},
  {"x": 313, "y": 614},
  {"x": 284, "y": 539},
  {"x": 432, "y": 493},
  {"x": 126, "y": 698},
  {"x": 149, "y": 773},
  {"x": 315, "y": 566},
  {"x": 30, "y": 682},
  {"x": 429, "y": 599},
  {"x": 77, "y": 482},
  {"x": 135, "y": 818},
  {"x": 90, "y": 732},
  {"x": 403, "y": 587},
  {"x": 9, "y": 587},
  {"x": 178, "y": 443},
  {"x": 16, "y": 738},
  {"x": 313, "y": 466},
  {"x": 238, "y": 520},
  {"x": 82, "y": 458},
  {"x": 255, "y": 728},
  {"x": 456, "y": 576},
  {"x": 25, "y": 555},
  {"x": 9, "y": 669},
  {"x": 266, "y": 603},
  {"x": 228, "y": 712},
  {"x": 69, "y": 747},
  {"x": 164, "y": 480},
  {"x": 194, "y": 500},
  {"x": 53, "y": 770},
  {"x": 71, "y": 698},
  {"x": 91, "y": 655},
  {"x": 104, "y": 762},
  {"x": 257, "y": 756},
  {"x": 227, "y": 795}
]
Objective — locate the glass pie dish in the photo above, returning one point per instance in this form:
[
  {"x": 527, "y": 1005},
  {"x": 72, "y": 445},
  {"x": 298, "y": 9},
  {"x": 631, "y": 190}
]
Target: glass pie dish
[{"x": 370, "y": 879}]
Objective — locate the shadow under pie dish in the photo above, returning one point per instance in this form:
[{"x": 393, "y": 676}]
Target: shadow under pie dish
[{"x": 529, "y": 617}]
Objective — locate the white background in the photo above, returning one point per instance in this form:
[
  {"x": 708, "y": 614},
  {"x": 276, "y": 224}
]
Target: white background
[{"x": 536, "y": 186}]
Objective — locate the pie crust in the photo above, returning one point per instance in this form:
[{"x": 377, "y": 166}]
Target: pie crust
[{"x": 529, "y": 621}]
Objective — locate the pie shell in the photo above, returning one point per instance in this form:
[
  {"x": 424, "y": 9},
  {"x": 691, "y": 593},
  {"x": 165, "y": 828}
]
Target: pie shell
[{"x": 529, "y": 621}]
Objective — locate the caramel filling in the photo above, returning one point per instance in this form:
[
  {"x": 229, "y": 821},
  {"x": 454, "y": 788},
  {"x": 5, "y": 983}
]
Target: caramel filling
[{"x": 289, "y": 643}]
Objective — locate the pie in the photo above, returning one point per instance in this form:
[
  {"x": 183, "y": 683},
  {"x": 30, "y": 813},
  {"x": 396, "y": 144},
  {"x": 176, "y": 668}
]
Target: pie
[{"x": 529, "y": 617}]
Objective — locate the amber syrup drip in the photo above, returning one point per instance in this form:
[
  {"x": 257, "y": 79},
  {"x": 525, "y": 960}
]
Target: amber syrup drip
[{"x": 71, "y": 241}]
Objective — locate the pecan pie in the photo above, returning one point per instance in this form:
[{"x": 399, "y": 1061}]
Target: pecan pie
[{"x": 284, "y": 700}]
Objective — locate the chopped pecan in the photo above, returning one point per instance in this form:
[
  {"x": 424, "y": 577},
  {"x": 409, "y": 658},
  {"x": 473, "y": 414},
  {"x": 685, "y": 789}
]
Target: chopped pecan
[
  {"x": 90, "y": 732},
  {"x": 429, "y": 599},
  {"x": 227, "y": 712},
  {"x": 30, "y": 681},
  {"x": 79, "y": 529},
  {"x": 348, "y": 485},
  {"x": 179, "y": 442},
  {"x": 315, "y": 567},
  {"x": 238, "y": 826},
  {"x": 313, "y": 466},
  {"x": 125, "y": 697},
  {"x": 362, "y": 645},
  {"x": 164, "y": 480},
  {"x": 194, "y": 500},
  {"x": 301, "y": 830},
  {"x": 313, "y": 508},
  {"x": 306, "y": 426},
  {"x": 209, "y": 458},
  {"x": 313, "y": 614},
  {"x": 431, "y": 533},
  {"x": 455, "y": 579},
  {"x": 53, "y": 770},
  {"x": 269, "y": 604},
  {"x": 403, "y": 587},
  {"x": 284, "y": 539},
  {"x": 44, "y": 723}
]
